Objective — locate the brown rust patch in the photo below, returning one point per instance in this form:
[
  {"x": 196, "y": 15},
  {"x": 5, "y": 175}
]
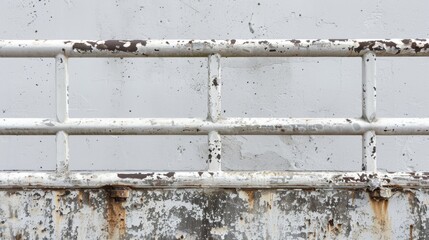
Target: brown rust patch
[
  {"x": 334, "y": 228},
  {"x": 115, "y": 215},
  {"x": 82, "y": 47},
  {"x": 363, "y": 178},
  {"x": 406, "y": 41},
  {"x": 369, "y": 45},
  {"x": 169, "y": 174},
  {"x": 364, "y": 45},
  {"x": 135, "y": 175},
  {"x": 419, "y": 175},
  {"x": 80, "y": 197},
  {"x": 353, "y": 197},
  {"x": 381, "y": 215},
  {"x": 383, "y": 45},
  {"x": 417, "y": 48},
  {"x": 251, "y": 196},
  {"x": 109, "y": 45},
  {"x": 411, "y": 196},
  {"x": 57, "y": 214},
  {"x": 121, "y": 46}
]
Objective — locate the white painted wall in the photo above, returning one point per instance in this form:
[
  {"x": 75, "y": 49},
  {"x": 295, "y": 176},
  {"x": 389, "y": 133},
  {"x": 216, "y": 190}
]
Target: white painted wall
[{"x": 257, "y": 87}]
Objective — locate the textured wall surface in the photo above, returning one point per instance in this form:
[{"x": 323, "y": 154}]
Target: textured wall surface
[
  {"x": 256, "y": 87},
  {"x": 213, "y": 214}
]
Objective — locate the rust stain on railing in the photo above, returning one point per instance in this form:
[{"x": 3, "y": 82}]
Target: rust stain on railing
[
  {"x": 116, "y": 213},
  {"x": 381, "y": 215},
  {"x": 251, "y": 197}
]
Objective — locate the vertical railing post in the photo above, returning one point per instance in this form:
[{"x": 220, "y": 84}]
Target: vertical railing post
[
  {"x": 62, "y": 108},
  {"x": 214, "y": 112},
  {"x": 369, "y": 161}
]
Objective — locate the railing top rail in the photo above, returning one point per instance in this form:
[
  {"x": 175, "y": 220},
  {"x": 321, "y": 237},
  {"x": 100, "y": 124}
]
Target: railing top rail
[{"x": 226, "y": 48}]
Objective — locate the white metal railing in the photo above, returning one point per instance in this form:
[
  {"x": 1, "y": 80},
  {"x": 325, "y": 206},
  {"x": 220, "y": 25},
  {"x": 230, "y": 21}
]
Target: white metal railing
[{"x": 215, "y": 125}]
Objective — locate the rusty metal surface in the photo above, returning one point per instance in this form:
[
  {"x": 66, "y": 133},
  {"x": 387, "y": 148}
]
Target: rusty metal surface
[
  {"x": 224, "y": 179},
  {"x": 215, "y": 125},
  {"x": 212, "y": 214},
  {"x": 203, "y": 48},
  {"x": 193, "y": 205}
]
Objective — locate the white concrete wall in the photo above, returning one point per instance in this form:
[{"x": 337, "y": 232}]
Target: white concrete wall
[{"x": 257, "y": 87}]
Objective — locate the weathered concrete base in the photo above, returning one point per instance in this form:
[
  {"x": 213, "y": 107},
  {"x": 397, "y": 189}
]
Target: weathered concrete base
[{"x": 212, "y": 214}]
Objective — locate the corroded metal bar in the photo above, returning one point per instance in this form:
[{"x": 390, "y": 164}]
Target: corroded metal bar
[
  {"x": 215, "y": 152},
  {"x": 226, "y": 48},
  {"x": 214, "y": 86},
  {"x": 62, "y": 105},
  {"x": 260, "y": 179},
  {"x": 214, "y": 112},
  {"x": 369, "y": 86},
  {"x": 369, "y": 153},
  {"x": 227, "y": 126}
]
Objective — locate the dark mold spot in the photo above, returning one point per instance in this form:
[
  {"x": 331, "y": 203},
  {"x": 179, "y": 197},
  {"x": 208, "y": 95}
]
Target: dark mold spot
[
  {"x": 369, "y": 45},
  {"x": 109, "y": 45},
  {"x": 406, "y": 41},
  {"x": 417, "y": 48},
  {"x": 82, "y": 47},
  {"x": 135, "y": 175},
  {"x": 364, "y": 45},
  {"x": 233, "y": 41},
  {"x": 169, "y": 174},
  {"x": 215, "y": 83},
  {"x": 362, "y": 178}
]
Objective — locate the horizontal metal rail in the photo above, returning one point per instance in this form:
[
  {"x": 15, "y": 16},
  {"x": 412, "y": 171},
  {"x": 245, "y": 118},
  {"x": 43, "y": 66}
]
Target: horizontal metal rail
[
  {"x": 226, "y": 48},
  {"x": 227, "y": 126},
  {"x": 260, "y": 179}
]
